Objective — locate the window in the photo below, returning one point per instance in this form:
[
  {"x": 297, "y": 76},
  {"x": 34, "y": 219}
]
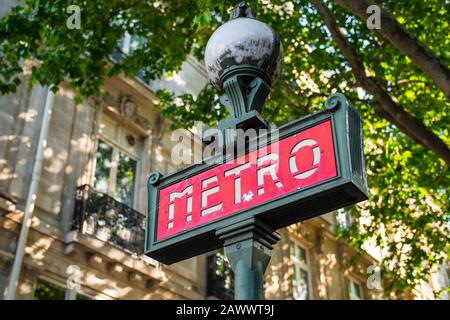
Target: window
[
  {"x": 441, "y": 283},
  {"x": 46, "y": 290},
  {"x": 4, "y": 276},
  {"x": 300, "y": 281},
  {"x": 116, "y": 162},
  {"x": 130, "y": 43},
  {"x": 82, "y": 297},
  {"x": 354, "y": 290},
  {"x": 219, "y": 276},
  {"x": 344, "y": 218}
]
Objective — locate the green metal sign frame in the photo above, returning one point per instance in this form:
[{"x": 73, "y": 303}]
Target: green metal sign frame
[{"x": 349, "y": 186}]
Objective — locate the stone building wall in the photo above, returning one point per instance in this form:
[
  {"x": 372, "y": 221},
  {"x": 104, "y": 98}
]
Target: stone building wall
[{"x": 69, "y": 159}]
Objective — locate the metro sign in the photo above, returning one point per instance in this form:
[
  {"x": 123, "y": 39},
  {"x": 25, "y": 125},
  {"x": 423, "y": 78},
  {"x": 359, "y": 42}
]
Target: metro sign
[
  {"x": 296, "y": 162},
  {"x": 315, "y": 166}
]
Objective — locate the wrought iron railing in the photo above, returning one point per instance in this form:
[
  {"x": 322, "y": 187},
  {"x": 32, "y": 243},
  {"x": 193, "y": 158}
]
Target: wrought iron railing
[
  {"x": 104, "y": 217},
  {"x": 220, "y": 277}
]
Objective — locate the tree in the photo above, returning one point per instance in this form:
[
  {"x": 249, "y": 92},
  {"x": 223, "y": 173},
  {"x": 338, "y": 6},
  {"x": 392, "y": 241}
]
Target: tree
[
  {"x": 327, "y": 49},
  {"x": 403, "y": 41},
  {"x": 385, "y": 106}
]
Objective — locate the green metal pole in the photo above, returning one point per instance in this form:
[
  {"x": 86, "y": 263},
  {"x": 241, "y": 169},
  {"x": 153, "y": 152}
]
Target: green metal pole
[
  {"x": 249, "y": 283},
  {"x": 248, "y": 266},
  {"x": 248, "y": 247}
]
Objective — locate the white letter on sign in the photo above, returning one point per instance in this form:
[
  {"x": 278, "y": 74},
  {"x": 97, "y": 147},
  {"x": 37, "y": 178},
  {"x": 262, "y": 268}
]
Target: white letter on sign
[
  {"x": 270, "y": 169},
  {"x": 176, "y": 195},
  {"x": 207, "y": 193},
  {"x": 237, "y": 180},
  {"x": 316, "y": 160}
]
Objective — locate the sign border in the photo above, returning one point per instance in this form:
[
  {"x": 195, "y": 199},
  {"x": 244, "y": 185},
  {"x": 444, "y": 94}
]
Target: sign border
[{"x": 349, "y": 186}]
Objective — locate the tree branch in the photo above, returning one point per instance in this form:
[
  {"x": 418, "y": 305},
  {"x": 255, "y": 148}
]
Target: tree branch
[
  {"x": 420, "y": 55},
  {"x": 385, "y": 105}
]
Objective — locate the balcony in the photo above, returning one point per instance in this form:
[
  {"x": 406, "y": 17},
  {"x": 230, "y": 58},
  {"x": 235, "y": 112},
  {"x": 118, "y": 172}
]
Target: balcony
[
  {"x": 107, "y": 219},
  {"x": 220, "y": 277}
]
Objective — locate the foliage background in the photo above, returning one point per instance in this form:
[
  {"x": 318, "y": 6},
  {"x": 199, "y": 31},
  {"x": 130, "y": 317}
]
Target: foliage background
[{"x": 408, "y": 211}]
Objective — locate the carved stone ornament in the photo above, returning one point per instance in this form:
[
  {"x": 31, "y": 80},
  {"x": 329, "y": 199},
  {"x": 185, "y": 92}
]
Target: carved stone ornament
[
  {"x": 319, "y": 240},
  {"x": 342, "y": 256},
  {"x": 304, "y": 231},
  {"x": 126, "y": 107}
]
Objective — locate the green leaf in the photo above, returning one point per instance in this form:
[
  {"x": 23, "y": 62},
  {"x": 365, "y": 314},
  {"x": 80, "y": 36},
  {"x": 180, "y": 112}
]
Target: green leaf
[{"x": 203, "y": 20}]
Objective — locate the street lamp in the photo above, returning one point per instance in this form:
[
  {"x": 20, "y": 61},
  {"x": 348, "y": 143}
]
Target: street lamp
[{"x": 243, "y": 59}]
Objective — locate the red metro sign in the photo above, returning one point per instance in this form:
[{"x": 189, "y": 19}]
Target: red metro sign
[
  {"x": 291, "y": 164},
  {"x": 314, "y": 167}
]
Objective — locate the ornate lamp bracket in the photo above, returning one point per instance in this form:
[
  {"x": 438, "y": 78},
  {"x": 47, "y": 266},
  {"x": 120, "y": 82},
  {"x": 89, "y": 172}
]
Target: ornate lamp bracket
[{"x": 245, "y": 91}]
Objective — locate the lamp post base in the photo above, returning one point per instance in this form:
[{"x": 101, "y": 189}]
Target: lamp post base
[{"x": 248, "y": 247}]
